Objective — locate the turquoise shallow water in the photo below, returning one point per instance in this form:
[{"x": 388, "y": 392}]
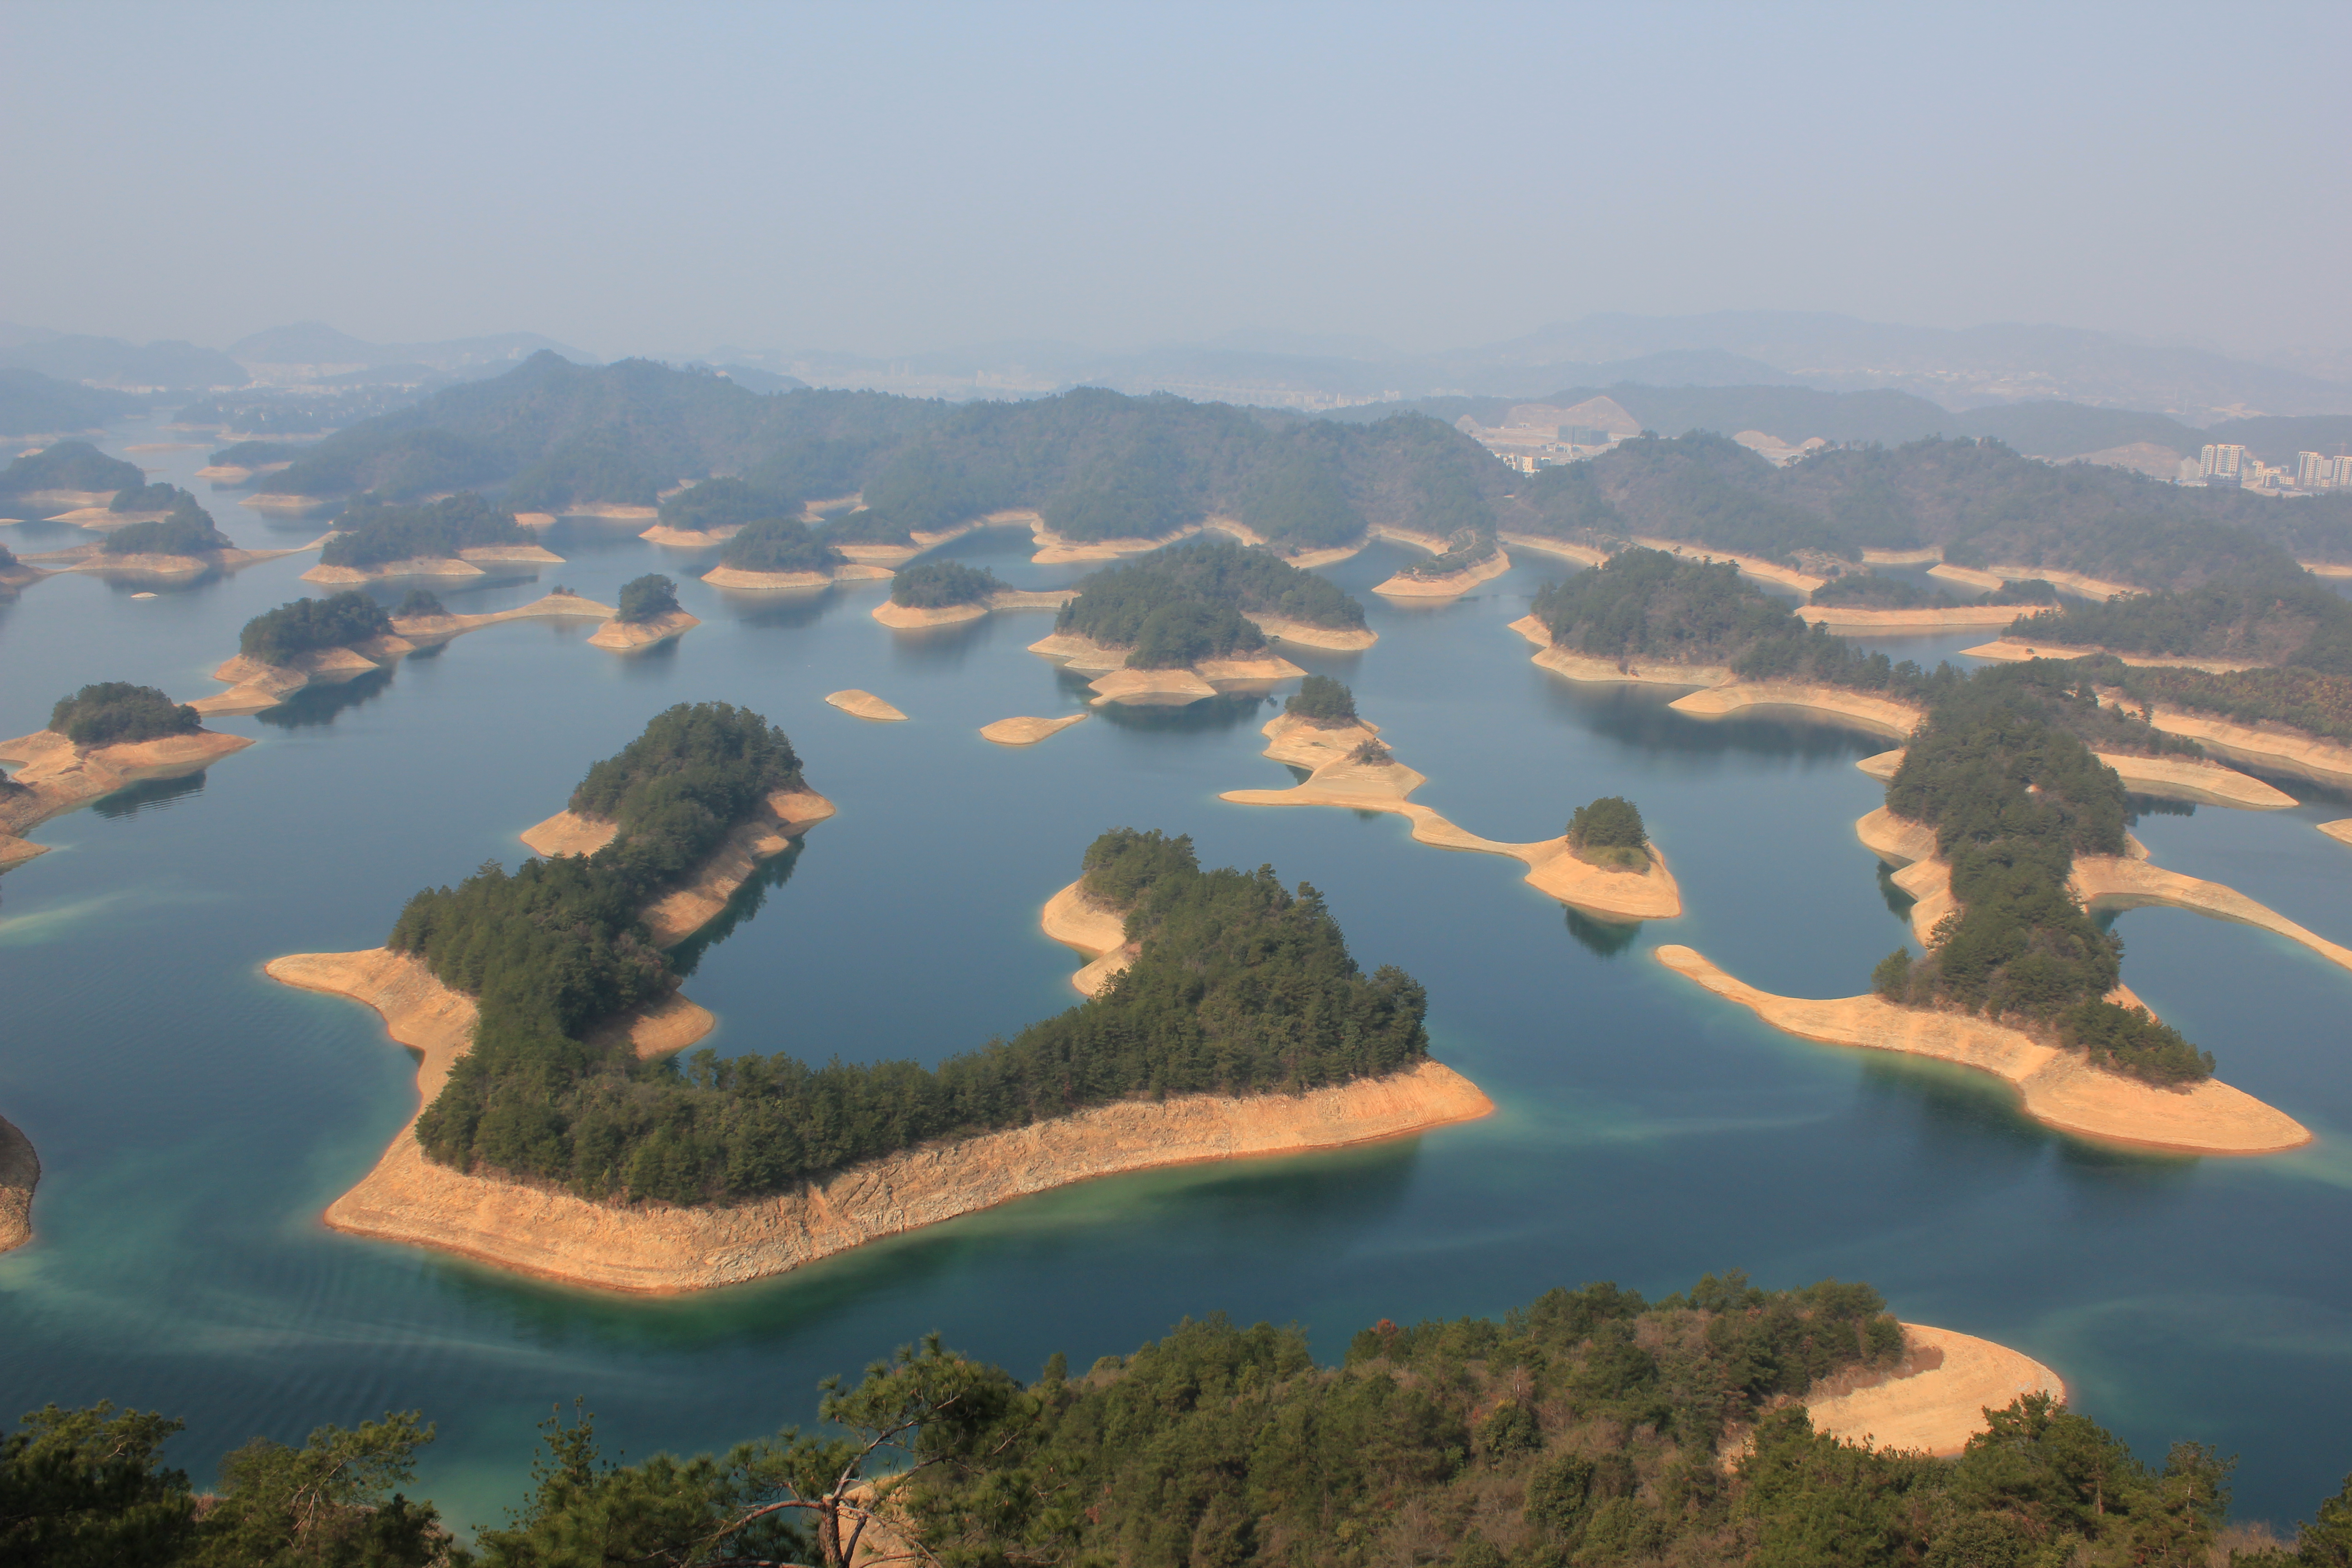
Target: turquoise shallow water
[{"x": 193, "y": 1117}]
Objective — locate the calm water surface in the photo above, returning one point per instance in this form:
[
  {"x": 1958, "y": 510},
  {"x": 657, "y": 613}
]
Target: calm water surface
[{"x": 193, "y": 1117}]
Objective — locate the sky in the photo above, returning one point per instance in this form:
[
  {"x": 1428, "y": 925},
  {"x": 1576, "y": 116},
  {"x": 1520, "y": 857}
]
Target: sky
[{"x": 890, "y": 177}]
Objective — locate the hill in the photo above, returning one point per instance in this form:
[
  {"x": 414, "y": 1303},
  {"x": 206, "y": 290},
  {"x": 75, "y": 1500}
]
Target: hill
[{"x": 32, "y": 404}]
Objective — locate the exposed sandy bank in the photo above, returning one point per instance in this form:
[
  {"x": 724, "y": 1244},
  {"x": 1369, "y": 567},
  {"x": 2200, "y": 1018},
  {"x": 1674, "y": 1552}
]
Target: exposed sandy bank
[
  {"x": 20, "y": 1173},
  {"x": 1055, "y": 549},
  {"x": 2055, "y": 1087},
  {"x": 2326, "y": 568},
  {"x": 2172, "y": 778},
  {"x": 1752, "y": 565},
  {"x": 1451, "y": 585},
  {"x": 1027, "y": 731},
  {"x": 15, "y": 851},
  {"x": 866, "y": 705},
  {"x": 1159, "y": 686},
  {"x": 1882, "y": 715},
  {"x": 1573, "y": 666},
  {"x": 2017, "y": 650},
  {"x": 679, "y": 915},
  {"x": 2340, "y": 830},
  {"x": 60, "y": 775},
  {"x": 626, "y": 636},
  {"x": 1151, "y": 687},
  {"x": 276, "y": 500},
  {"x": 1995, "y": 576},
  {"x": 690, "y": 538},
  {"x": 2269, "y": 745},
  {"x": 1939, "y": 1408},
  {"x": 105, "y": 519},
  {"x": 1924, "y": 557},
  {"x": 57, "y": 501},
  {"x": 534, "y": 520},
  {"x": 1921, "y": 617},
  {"x": 615, "y": 511},
  {"x": 1336, "y": 639},
  {"x": 413, "y": 566},
  {"x": 254, "y": 686},
  {"x": 903, "y": 618},
  {"x": 224, "y": 473},
  {"x": 2109, "y": 881},
  {"x": 1583, "y": 554},
  {"x": 422, "y": 629},
  {"x": 1075, "y": 919},
  {"x": 1083, "y": 655},
  {"x": 512, "y": 555},
  {"x": 569, "y": 833},
  {"x": 735, "y": 577},
  {"x": 1552, "y": 867}
]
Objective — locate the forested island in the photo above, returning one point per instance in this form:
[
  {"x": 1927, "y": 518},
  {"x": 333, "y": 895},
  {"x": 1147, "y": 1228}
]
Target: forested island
[
  {"x": 1589, "y": 1427},
  {"x": 775, "y": 552},
  {"x": 648, "y": 614},
  {"x": 443, "y": 538},
  {"x": 65, "y": 475},
  {"x": 715, "y": 509},
  {"x": 99, "y": 739}
]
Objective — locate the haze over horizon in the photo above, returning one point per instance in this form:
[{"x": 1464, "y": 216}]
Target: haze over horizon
[{"x": 894, "y": 180}]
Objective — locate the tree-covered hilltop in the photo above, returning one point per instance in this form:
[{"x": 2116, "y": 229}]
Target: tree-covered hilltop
[
  {"x": 1979, "y": 500},
  {"x": 306, "y": 625},
  {"x": 187, "y": 531},
  {"x": 419, "y": 604},
  {"x": 1589, "y": 1427},
  {"x": 2287, "y": 617},
  {"x": 1178, "y": 606},
  {"x": 727, "y": 502},
  {"x": 2001, "y": 769},
  {"x": 1242, "y": 986},
  {"x": 1095, "y": 464},
  {"x": 1610, "y": 832},
  {"x": 116, "y": 712},
  {"x": 68, "y": 466},
  {"x": 32, "y": 404},
  {"x": 779, "y": 544},
  {"x": 937, "y": 584},
  {"x": 371, "y": 533},
  {"x": 1324, "y": 702},
  {"x": 146, "y": 498},
  {"x": 646, "y": 598}
]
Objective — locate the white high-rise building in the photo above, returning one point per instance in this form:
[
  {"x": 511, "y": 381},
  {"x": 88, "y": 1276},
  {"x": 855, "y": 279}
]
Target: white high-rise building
[
  {"x": 2226, "y": 463},
  {"x": 2339, "y": 473},
  {"x": 2311, "y": 471}
]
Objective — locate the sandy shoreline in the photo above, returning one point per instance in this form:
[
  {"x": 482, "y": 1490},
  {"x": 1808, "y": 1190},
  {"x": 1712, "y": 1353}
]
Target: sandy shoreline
[
  {"x": 1582, "y": 554},
  {"x": 1996, "y": 576},
  {"x": 2054, "y": 1087},
  {"x": 1925, "y": 556},
  {"x": 1332, "y": 639},
  {"x": 1939, "y": 1408},
  {"x": 1881, "y": 715},
  {"x": 628, "y": 637},
  {"x": 1159, "y": 688},
  {"x": 900, "y": 617},
  {"x": 2173, "y": 778},
  {"x": 1552, "y": 867},
  {"x": 1027, "y": 731},
  {"x": 1573, "y": 666},
  {"x": 1922, "y": 617},
  {"x": 1751, "y": 565},
  {"x": 60, "y": 776},
  {"x": 1075, "y": 919},
  {"x": 2340, "y": 830},
  {"x": 2269, "y": 745},
  {"x": 466, "y": 562},
  {"x": 865, "y": 705},
  {"x": 2016, "y": 650},
  {"x": 1451, "y": 585},
  {"x": 20, "y": 1173}
]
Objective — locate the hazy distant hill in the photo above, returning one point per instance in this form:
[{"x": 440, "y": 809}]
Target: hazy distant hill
[
  {"x": 110, "y": 361},
  {"x": 312, "y": 351},
  {"x": 32, "y": 404}
]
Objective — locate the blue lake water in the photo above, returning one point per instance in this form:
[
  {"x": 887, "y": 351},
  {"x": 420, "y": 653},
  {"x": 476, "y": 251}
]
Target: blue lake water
[{"x": 193, "y": 1117}]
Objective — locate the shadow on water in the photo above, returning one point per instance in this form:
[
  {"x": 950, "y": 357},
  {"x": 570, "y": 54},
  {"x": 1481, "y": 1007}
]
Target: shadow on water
[
  {"x": 148, "y": 795},
  {"x": 779, "y": 612},
  {"x": 1603, "y": 938},
  {"x": 2138, "y": 806},
  {"x": 1898, "y": 902},
  {"x": 317, "y": 705},
  {"x": 769, "y": 874},
  {"x": 1208, "y": 714},
  {"x": 650, "y": 663},
  {"x": 123, "y": 585}
]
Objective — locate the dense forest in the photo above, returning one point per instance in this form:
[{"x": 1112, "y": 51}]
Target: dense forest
[
  {"x": 187, "y": 531},
  {"x": 2304, "y": 698},
  {"x": 1096, "y": 464},
  {"x": 936, "y": 585},
  {"x": 1979, "y": 500},
  {"x": 116, "y": 712},
  {"x": 1176, "y": 608},
  {"x": 371, "y": 533},
  {"x": 646, "y": 598},
  {"x": 775, "y": 543},
  {"x": 1610, "y": 832},
  {"x": 1323, "y": 702},
  {"x": 2286, "y": 617},
  {"x": 725, "y": 502},
  {"x": 1242, "y": 986},
  {"x": 2001, "y": 769},
  {"x": 68, "y": 466},
  {"x": 1590, "y": 1428},
  {"x": 305, "y": 626},
  {"x": 146, "y": 498}
]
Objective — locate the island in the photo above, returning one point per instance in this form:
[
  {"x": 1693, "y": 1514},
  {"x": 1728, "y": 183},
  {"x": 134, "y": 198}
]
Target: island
[
  {"x": 642, "y": 1177},
  {"x": 649, "y": 615},
  {"x": 1458, "y": 562},
  {"x": 64, "y": 476},
  {"x": 2340, "y": 829},
  {"x": 180, "y": 542},
  {"x": 1027, "y": 731},
  {"x": 99, "y": 740},
  {"x": 948, "y": 593},
  {"x": 865, "y": 705},
  {"x": 1178, "y": 627},
  {"x": 20, "y": 1173},
  {"x": 15, "y": 573},
  {"x": 1605, "y": 864},
  {"x": 454, "y": 537},
  {"x": 783, "y": 553},
  {"x": 2009, "y": 828},
  {"x": 716, "y": 510}
]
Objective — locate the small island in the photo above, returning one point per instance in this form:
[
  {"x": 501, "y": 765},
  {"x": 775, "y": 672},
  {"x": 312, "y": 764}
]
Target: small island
[
  {"x": 649, "y": 615},
  {"x": 449, "y": 538},
  {"x": 1026, "y": 730},
  {"x": 771, "y": 552},
  {"x": 1603, "y": 864},
  {"x": 948, "y": 593},
  {"x": 716, "y": 510},
  {"x": 64, "y": 476},
  {"x": 99, "y": 740},
  {"x": 634, "y": 1175},
  {"x": 1181, "y": 626},
  {"x": 1458, "y": 562},
  {"x": 865, "y": 705}
]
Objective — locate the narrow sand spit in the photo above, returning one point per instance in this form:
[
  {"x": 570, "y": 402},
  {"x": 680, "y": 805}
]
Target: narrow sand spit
[
  {"x": 105, "y": 519},
  {"x": 1925, "y": 557},
  {"x": 690, "y": 538},
  {"x": 61, "y": 775},
  {"x": 1881, "y": 715},
  {"x": 2056, "y": 1088},
  {"x": 569, "y": 833},
  {"x": 1336, "y": 639},
  {"x": 423, "y": 630},
  {"x": 1073, "y": 918},
  {"x": 20, "y": 1173},
  {"x": 1754, "y": 566},
  {"x": 1162, "y": 687},
  {"x": 2174, "y": 778},
  {"x": 1940, "y": 1406},
  {"x": 1553, "y": 868},
  {"x": 902, "y": 618},
  {"x": 1997, "y": 576},
  {"x": 1573, "y": 666},
  {"x": 2275, "y": 746},
  {"x": 2340, "y": 830},
  {"x": 1582, "y": 554},
  {"x": 254, "y": 686},
  {"x": 680, "y": 914},
  {"x": 415, "y": 567},
  {"x": 1451, "y": 585},
  {"x": 2017, "y": 649},
  {"x": 1026, "y": 731},
  {"x": 1923, "y": 618},
  {"x": 2326, "y": 568},
  {"x": 628, "y": 637},
  {"x": 865, "y": 705}
]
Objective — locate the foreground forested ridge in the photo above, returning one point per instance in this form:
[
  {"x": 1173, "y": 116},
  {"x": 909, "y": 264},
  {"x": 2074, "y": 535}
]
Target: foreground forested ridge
[
  {"x": 1587, "y": 1427},
  {"x": 1241, "y": 986},
  {"x": 1094, "y": 464},
  {"x": 2000, "y": 770},
  {"x": 1978, "y": 500},
  {"x": 1178, "y": 606}
]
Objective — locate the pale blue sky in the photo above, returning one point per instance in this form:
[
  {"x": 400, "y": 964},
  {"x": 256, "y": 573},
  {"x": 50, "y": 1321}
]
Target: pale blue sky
[{"x": 888, "y": 177}]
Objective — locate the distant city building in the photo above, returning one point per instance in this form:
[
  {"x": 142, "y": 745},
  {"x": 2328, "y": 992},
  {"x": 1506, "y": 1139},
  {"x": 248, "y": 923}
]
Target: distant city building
[{"x": 2226, "y": 463}]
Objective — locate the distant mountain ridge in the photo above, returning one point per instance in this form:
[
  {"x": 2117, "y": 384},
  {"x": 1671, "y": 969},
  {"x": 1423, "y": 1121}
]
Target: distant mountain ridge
[{"x": 313, "y": 351}]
